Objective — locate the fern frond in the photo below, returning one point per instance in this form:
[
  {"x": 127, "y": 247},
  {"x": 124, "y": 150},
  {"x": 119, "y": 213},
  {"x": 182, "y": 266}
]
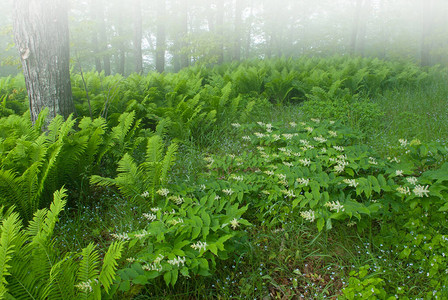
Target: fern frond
[
  {"x": 109, "y": 267},
  {"x": 9, "y": 231},
  {"x": 154, "y": 149},
  {"x": 88, "y": 267},
  {"x": 167, "y": 162}
]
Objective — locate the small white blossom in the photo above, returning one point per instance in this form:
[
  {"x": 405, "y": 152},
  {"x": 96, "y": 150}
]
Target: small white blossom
[
  {"x": 338, "y": 148},
  {"x": 372, "y": 161},
  {"x": 85, "y": 286},
  {"x": 237, "y": 178},
  {"x": 163, "y": 192},
  {"x": 403, "y": 142},
  {"x": 333, "y": 133},
  {"x": 120, "y": 236},
  {"x": 412, "y": 180},
  {"x": 309, "y": 129},
  {"x": 236, "y": 125},
  {"x": 281, "y": 176},
  {"x": 228, "y": 191},
  {"x": 234, "y": 223},
  {"x": 308, "y": 215},
  {"x": 292, "y": 124},
  {"x": 320, "y": 139},
  {"x": 315, "y": 120},
  {"x": 287, "y": 136},
  {"x": 288, "y": 164},
  {"x": 199, "y": 246},
  {"x": 305, "y": 162},
  {"x": 421, "y": 190},
  {"x": 351, "y": 182},
  {"x": 145, "y": 194},
  {"x": 269, "y": 172},
  {"x": 276, "y": 137},
  {"x": 259, "y": 135},
  {"x": 303, "y": 181},
  {"x": 175, "y": 221},
  {"x": 398, "y": 172},
  {"x": 246, "y": 138},
  {"x": 403, "y": 190},
  {"x": 334, "y": 205},
  {"x": 289, "y": 193},
  {"x": 150, "y": 217}
]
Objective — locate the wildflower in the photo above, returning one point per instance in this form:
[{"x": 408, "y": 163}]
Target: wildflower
[
  {"x": 163, "y": 192},
  {"x": 289, "y": 193},
  {"x": 236, "y": 125},
  {"x": 269, "y": 126},
  {"x": 265, "y": 192},
  {"x": 304, "y": 142},
  {"x": 209, "y": 159},
  {"x": 174, "y": 222},
  {"x": 394, "y": 160},
  {"x": 412, "y": 180},
  {"x": 85, "y": 286},
  {"x": 153, "y": 267},
  {"x": 302, "y": 123},
  {"x": 202, "y": 187},
  {"x": 281, "y": 176},
  {"x": 324, "y": 150},
  {"x": 259, "y": 135},
  {"x": 403, "y": 190},
  {"x": 315, "y": 120},
  {"x": 320, "y": 139},
  {"x": 351, "y": 223},
  {"x": 228, "y": 191},
  {"x": 332, "y": 122},
  {"x": 338, "y": 148},
  {"x": 339, "y": 168},
  {"x": 415, "y": 142},
  {"x": 145, "y": 194},
  {"x": 120, "y": 236},
  {"x": 246, "y": 138},
  {"x": 155, "y": 209},
  {"x": 305, "y": 162},
  {"x": 309, "y": 129},
  {"x": 217, "y": 197},
  {"x": 232, "y": 156},
  {"x": 177, "y": 261},
  {"x": 276, "y": 137},
  {"x": 372, "y": 161},
  {"x": 292, "y": 124},
  {"x": 351, "y": 182},
  {"x": 141, "y": 234},
  {"x": 334, "y": 206},
  {"x": 288, "y": 164},
  {"x": 421, "y": 191},
  {"x": 176, "y": 199},
  {"x": 399, "y": 173},
  {"x": 303, "y": 181},
  {"x": 269, "y": 172},
  {"x": 308, "y": 215},
  {"x": 234, "y": 223},
  {"x": 199, "y": 246},
  {"x": 150, "y": 217},
  {"x": 261, "y": 124},
  {"x": 296, "y": 154},
  {"x": 287, "y": 136},
  {"x": 237, "y": 178},
  {"x": 333, "y": 133},
  {"x": 403, "y": 142},
  {"x": 130, "y": 259}
]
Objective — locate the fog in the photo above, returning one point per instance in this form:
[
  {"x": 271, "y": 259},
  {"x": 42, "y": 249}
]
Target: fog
[{"x": 172, "y": 34}]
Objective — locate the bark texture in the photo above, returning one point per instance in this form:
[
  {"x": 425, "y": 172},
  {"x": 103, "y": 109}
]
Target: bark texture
[{"x": 42, "y": 37}]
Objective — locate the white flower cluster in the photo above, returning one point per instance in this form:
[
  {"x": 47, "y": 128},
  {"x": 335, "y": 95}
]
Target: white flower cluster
[
  {"x": 309, "y": 129},
  {"x": 403, "y": 142},
  {"x": 334, "y": 205},
  {"x": 288, "y": 164},
  {"x": 121, "y": 236},
  {"x": 175, "y": 221},
  {"x": 303, "y": 181},
  {"x": 145, "y": 194},
  {"x": 351, "y": 182},
  {"x": 149, "y": 216},
  {"x": 276, "y": 137},
  {"x": 398, "y": 172},
  {"x": 320, "y": 139},
  {"x": 236, "y": 125},
  {"x": 292, "y": 124},
  {"x": 177, "y": 261},
  {"x": 403, "y": 190},
  {"x": 246, "y": 138},
  {"x": 394, "y": 159},
  {"x": 412, "y": 180},
  {"x": 259, "y": 135},
  {"x": 289, "y": 193},
  {"x": 305, "y": 161},
  {"x": 268, "y": 172},
  {"x": 85, "y": 286},
  {"x": 142, "y": 234},
  {"x": 338, "y": 148},
  {"x": 237, "y": 178},
  {"x": 333, "y": 133},
  {"x": 228, "y": 192},
  {"x": 163, "y": 192},
  {"x": 288, "y": 136},
  {"x": 372, "y": 161},
  {"x": 234, "y": 223},
  {"x": 199, "y": 246},
  {"x": 420, "y": 190},
  {"x": 315, "y": 120},
  {"x": 308, "y": 215},
  {"x": 176, "y": 199}
]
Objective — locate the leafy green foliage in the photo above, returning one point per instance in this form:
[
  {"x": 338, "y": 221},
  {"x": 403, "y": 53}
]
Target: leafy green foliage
[{"x": 32, "y": 268}]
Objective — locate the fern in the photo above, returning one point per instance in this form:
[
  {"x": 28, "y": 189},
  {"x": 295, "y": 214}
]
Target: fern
[{"x": 109, "y": 267}]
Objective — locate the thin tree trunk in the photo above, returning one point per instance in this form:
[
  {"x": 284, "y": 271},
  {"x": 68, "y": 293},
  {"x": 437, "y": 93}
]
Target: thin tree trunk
[
  {"x": 220, "y": 30},
  {"x": 95, "y": 47},
  {"x": 103, "y": 38},
  {"x": 42, "y": 37},
  {"x": 355, "y": 29},
  {"x": 138, "y": 37},
  {"x": 238, "y": 29},
  {"x": 121, "y": 45},
  {"x": 184, "y": 57},
  {"x": 161, "y": 36}
]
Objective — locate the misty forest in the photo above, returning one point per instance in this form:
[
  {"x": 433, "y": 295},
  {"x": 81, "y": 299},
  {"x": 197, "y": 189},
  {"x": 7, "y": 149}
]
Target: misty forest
[{"x": 224, "y": 149}]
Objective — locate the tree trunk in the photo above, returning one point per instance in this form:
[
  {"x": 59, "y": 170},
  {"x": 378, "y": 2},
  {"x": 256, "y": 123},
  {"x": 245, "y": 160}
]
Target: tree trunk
[
  {"x": 95, "y": 47},
  {"x": 184, "y": 57},
  {"x": 121, "y": 45},
  {"x": 220, "y": 30},
  {"x": 42, "y": 37},
  {"x": 138, "y": 37},
  {"x": 161, "y": 36},
  {"x": 103, "y": 38},
  {"x": 238, "y": 29},
  {"x": 355, "y": 29}
]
